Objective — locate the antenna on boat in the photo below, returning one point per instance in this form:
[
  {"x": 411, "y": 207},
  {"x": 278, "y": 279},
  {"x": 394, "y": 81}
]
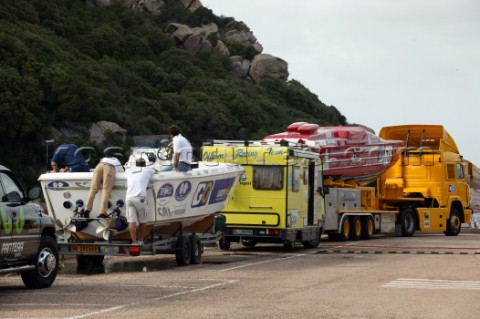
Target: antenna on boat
[{"x": 46, "y": 151}]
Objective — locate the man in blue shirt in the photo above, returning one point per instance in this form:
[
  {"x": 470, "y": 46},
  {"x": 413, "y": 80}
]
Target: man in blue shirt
[{"x": 70, "y": 155}]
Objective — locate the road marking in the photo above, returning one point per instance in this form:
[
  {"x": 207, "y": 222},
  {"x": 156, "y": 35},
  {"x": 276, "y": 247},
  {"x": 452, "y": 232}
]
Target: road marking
[
  {"x": 122, "y": 306},
  {"x": 433, "y": 284},
  {"x": 261, "y": 262},
  {"x": 413, "y": 252},
  {"x": 226, "y": 282}
]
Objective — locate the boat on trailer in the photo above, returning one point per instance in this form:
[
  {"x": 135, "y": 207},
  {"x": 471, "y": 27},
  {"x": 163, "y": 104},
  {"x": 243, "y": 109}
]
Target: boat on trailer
[
  {"x": 348, "y": 153},
  {"x": 179, "y": 204}
]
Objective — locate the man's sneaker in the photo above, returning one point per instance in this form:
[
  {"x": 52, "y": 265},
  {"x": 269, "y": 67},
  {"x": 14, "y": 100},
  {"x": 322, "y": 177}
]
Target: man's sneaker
[
  {"x": 140, "y": 242},
  {"x": 86, "y": 213}
]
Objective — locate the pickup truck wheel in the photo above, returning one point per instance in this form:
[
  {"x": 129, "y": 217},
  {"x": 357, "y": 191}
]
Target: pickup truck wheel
[
  {"x": 183, "y": 252},
  {"x": 407, "y": 222},
  {"x": 454, "y": 223},
  {"x": 46, "y": 265},
  {"x": 196, "y": 245}
]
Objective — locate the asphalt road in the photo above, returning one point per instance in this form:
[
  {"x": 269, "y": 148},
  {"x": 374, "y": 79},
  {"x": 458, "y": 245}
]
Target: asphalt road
[{"x": 426, "y": 276}]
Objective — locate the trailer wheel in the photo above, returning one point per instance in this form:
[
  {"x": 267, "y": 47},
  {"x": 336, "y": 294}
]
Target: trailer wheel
[
  {"x": 368, "y": 227},
  {"x": 249, "y": 242},
  {"x": 224, "y": 243},
  {"x": 344, "y": 229},
  {"x": 90, "y": 260},
  {"x": 46, "y": 265},
  {"x": 407, "y": 222},
  {"x": 184, "y": 251},
  {"x": 196, "y": 255},
  {"x": 355, "y": 227},
  {"x": 454, "y": 223}
]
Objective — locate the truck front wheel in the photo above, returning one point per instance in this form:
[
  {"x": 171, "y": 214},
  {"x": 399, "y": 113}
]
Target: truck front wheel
[
  {"x": 46, "y": 265},
  {"x": 454, "y": 223}
]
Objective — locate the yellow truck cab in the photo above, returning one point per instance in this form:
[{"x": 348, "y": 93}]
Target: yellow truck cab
[
  {"x": 277, "y": 199},
  {"x": 428, "y": 183}
]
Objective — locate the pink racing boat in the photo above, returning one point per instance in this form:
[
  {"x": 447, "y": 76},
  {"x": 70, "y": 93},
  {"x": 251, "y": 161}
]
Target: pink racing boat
[{"x": 347, "y": 152}]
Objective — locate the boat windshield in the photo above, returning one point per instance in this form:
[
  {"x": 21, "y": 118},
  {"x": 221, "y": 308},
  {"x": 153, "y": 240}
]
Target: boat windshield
[{"x": 151, "y": 141}]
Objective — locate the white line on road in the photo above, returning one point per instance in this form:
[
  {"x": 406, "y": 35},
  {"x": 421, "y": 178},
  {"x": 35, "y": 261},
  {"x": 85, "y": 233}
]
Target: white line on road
[
  {"x": 261, "y": 262},
  {"x": 432, "y": 284}
]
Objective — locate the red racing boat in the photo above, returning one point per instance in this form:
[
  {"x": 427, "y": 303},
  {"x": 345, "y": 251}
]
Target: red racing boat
[{"x": 347, "y": 152}]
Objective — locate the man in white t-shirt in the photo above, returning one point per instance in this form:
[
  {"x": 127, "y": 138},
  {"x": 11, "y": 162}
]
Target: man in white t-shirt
[
  {"x": 138, "y": 178},
  {"x": 182, "y": 150},
  {"x": 103, "y": 175}
]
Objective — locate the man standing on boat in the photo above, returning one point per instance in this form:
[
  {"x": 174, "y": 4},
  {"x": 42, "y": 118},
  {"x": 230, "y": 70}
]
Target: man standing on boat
[
  {"x": 182, "y": 150},
  {"x": 138, "y": 178},
  {"x": 103, "y": 175}
]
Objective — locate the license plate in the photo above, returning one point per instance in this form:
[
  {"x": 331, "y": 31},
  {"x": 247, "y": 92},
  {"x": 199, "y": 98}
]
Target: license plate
[
  {"x": 109, "y": 250},
  {"x": 85, "y": 249},
  {"x": 243, "y": 231}
]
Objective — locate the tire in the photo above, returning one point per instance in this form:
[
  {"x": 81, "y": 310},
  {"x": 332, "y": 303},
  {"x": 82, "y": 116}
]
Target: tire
[
  {"x": 46, "y": 265},
  {"x": 454, "y": 223},
  {"x": 90, "y": 260},
  {"x": 368, "y": 227},
  {"x": 249, "y": 242},
  {"x": 309, "y": 244},
  {"x": 407, "y": 222},
  {"x": 183, "y": 252},
  {"x": 355, "y": 227},
  {"x": 224, "y": 243},
  {"x": 196, "y": 247},
  {"x": 344, "y": 229}
]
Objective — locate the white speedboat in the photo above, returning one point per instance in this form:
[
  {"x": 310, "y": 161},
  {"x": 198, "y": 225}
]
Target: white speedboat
[{"x": 177, "y": 201}]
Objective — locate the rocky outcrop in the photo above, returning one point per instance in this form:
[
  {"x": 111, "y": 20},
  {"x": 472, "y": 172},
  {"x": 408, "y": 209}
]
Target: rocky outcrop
[
  {"x": 222, "y": 48},
  {"x": 241, "y": 66},
  {"x": 193, "y": 40},
  {"x": 151, "y": 6},
  {"x": 266, "y": 64},
  {"x": 245, "y": 37},
  {"x": 192, "y": 5},
  {"x": 106, "y": 133}
]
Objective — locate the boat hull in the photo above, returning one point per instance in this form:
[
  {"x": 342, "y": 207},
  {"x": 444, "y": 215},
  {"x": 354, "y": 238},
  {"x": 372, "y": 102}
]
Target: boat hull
[{"x": 175, "y": 201}]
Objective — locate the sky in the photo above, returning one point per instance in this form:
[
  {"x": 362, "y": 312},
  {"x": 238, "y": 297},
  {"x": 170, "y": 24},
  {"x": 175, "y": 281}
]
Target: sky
[{"x": 379, "y": 62}]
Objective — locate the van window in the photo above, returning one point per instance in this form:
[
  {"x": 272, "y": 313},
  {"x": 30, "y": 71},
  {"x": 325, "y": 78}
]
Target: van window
[{"x": 268, "y": 177}]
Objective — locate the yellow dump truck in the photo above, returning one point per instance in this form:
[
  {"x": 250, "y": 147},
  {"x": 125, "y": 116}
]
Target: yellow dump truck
[
  {"x": 277, "y": 199},
  {"x": 425, "y": 190}
]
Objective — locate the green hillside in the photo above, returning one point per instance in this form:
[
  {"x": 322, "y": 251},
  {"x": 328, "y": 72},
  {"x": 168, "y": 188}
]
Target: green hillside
[{"x": 66, "y": 64}]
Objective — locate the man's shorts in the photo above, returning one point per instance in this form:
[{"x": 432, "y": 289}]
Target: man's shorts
[{"x": 136, "y": 209}]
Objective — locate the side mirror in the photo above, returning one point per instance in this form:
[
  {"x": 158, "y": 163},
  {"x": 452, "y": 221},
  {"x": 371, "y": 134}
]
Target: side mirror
[{"x": 34, "y": 192}]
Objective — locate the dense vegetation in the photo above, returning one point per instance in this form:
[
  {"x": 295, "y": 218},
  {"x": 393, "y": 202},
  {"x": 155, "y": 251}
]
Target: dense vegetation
[{"x": 65, "y": 64}]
